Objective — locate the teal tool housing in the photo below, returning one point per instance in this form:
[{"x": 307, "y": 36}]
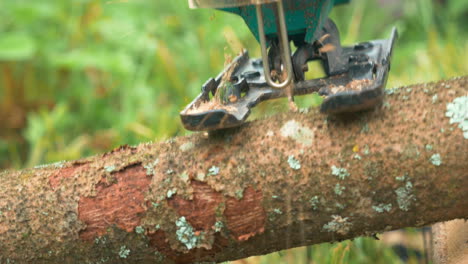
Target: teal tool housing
[{"x": 303, "y": 18}]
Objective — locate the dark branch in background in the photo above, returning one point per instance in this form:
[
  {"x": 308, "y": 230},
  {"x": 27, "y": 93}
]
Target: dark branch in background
[{"x": 290, "y": 180}]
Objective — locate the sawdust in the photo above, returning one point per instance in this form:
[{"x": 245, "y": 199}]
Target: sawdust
[
  {"x": 289, "y": 92},
  {"x": 210, "y": 105},
  {"x": 232, "y": 98},
  {"x": 226, "y": 79},
  {"x": 327, "y": 48},
  {"x": 322, "y": 38},
  {"x": 217, "y": 101},
  {"x": 355, "y": 85}
]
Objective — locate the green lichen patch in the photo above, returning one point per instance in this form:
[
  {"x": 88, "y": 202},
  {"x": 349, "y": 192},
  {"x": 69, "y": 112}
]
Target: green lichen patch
[
  {"x": 339, "y": 189},
  {"x": 55, "y": 165},
  {"x": 124, "y": 252},
  {"x": 277, "y": 211},
  {"x": 294, "y": 163},
  {"x": 387, "y": 105},
  {"x": 392, "y": 91},
  {"x": 239, "y": 194},
  {"x": 382, "y": 207},
  {"x": 100, "y": 240},
  {"x": 110, "y": 168},
  {"x": 405, "y": 196},
  {"x": 171, "y": 192},
  {"x": 436, "y": 159},
  {"x": 184, "y": 176},
  {"x": 139, "y": 230},
  {"x": 150, "y": 167},
  {"x": 429, "y": 147},
  {"x": 457, "y": 111},
  {"x": 366, "y": 150},
  {"x": 159, "y": 256},
  {"x": 434, "y": 98},
  {"x": 340, "y": 206},
  {"x": 402, "y": 178},
  {"x": 185, "y": 233},
  {"x": 314, "y": 202},
  {"x": 218, "y": 226},
  {"x": 186, "y": 146},
  {"x": 341, "y": 173},
  {"x": 213, "y": 171},
  {"x": 338, "y": 224},
  {"x": 301, "y": 134}
]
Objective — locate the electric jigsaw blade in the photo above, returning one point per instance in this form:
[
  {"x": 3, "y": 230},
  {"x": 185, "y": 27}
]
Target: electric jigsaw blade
[
  {"x": 356, "y": 75},
  {"x": 360, "y": 87}
]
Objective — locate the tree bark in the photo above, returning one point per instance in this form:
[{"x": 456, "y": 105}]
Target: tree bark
[{"x": 290, "y": 180}]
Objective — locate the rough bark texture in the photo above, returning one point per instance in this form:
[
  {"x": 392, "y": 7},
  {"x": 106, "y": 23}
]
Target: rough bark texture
[{"x": 290, "y": 180}]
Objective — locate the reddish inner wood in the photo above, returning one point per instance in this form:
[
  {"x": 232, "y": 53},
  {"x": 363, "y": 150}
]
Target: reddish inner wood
[
  {"x": 55, "y": 179},
  {"x": 246, "y": 217},
  {"x": 120, "y": 203},
  {"x": 201, "y": 211}
]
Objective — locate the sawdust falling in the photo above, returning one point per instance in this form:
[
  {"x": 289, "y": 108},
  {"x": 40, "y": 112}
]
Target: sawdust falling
[
  {"x": 327, "y": 48},
  {"x": 210, "y": 105},
  {"x": 355, "y": 85},
  {"x": 289, "y": 92},
  {"x": 322, "y": 38},
  {"x": 217, "y": 101},
  {"x": 226, "y": 79}
]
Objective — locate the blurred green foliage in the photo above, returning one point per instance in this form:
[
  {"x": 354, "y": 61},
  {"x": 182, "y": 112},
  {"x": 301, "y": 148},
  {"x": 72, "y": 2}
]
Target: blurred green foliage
[
  {"x": 81, "y": 77},
  {"x": 362, "y": 250}
]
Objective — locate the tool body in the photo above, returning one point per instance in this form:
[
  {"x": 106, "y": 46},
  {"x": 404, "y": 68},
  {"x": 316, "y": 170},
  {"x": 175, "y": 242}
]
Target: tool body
[{"x": 356, "y": 75}]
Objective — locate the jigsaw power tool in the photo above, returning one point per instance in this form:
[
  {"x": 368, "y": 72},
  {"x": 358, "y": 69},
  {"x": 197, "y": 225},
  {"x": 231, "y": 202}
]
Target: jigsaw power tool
[{"x": 355, "y": 75}]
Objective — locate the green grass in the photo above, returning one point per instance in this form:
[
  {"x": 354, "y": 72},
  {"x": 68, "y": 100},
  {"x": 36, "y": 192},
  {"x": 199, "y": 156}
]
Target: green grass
[
  {"x": 362, "y": 250},
  {"x": 81, "y": 77}
]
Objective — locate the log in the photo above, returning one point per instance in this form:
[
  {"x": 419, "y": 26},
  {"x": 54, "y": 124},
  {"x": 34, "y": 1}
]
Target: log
[{"x": 289, "y": 180}]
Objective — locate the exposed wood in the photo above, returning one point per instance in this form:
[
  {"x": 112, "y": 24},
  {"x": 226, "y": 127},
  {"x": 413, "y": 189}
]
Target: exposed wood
[
  {"x": 290, "y": 180},
  {"x": 450, "y": 242}
]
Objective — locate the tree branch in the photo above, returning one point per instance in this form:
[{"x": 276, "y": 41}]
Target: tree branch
[{"x": 290, "y": 180}]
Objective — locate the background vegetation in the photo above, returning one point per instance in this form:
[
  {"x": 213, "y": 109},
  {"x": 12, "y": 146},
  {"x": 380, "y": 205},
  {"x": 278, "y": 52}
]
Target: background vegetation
[{"x": 81, "y": 77}]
